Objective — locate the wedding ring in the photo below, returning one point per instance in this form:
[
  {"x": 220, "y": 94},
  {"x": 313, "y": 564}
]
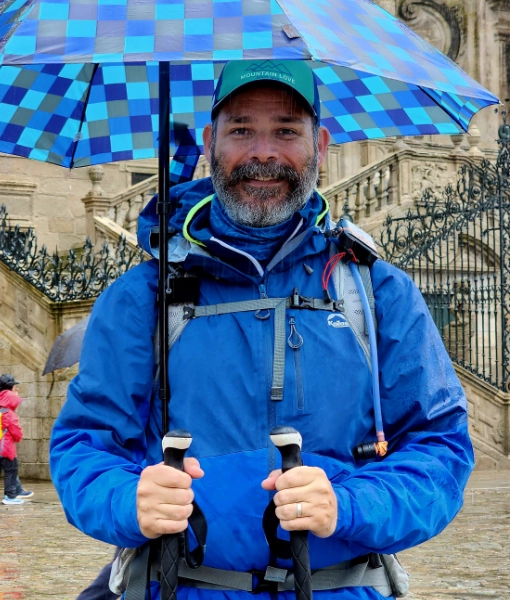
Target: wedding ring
[{"x": 299, "y": 509}]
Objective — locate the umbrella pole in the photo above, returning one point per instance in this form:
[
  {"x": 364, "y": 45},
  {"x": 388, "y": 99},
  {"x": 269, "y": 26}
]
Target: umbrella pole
[
  {"x": 170, "y": 544},
  {"x": 164, "y": 211}
]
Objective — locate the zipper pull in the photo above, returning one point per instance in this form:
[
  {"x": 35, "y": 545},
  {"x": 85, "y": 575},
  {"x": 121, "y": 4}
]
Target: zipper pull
[
  {"x": 262, "y": 314},
  {"x": 295, "y": 340}
]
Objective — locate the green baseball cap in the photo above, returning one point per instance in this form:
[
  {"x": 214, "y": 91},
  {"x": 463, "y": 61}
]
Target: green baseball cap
[{"x": 294, "y": 73}]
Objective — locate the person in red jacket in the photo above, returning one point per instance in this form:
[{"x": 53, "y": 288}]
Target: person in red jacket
[{"x": 12, "y": 433}]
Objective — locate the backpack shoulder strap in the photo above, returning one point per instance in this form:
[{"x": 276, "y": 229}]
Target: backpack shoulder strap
[
  {"x": 176, "y": 324},
  {"x": 348, "y": 293},
  {"x": 366, "y": 278}
]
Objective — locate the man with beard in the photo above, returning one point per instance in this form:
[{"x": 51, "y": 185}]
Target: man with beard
[{"x": 258, "y": 230}]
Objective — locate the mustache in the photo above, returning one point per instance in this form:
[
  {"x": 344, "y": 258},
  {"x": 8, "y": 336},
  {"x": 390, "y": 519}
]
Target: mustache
[{"x": 266, "y": 170}]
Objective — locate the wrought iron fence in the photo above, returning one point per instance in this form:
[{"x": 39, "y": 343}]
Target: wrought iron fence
[
  {"x": 78, "y": 276},
  {"x": 455, "y": 245}
]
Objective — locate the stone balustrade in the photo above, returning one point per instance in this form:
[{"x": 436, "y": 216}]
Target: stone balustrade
[
  {"x": 398, "y": 180},
  {"x": 122, "y": 208},
  {"x": 125, "y": 207}
]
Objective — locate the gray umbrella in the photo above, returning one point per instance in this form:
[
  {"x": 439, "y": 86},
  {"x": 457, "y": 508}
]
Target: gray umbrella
[{"x": 65, "y": 352}]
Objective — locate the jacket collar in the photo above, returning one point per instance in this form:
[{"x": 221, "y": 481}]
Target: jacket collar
[{"x": 206, "y": 248}]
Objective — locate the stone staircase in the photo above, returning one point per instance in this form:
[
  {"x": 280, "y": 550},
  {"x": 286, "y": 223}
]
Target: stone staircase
[{"x": 391, "y": 185}]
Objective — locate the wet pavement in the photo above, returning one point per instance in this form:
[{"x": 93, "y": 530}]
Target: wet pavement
[{"x": 44, "y": 558}]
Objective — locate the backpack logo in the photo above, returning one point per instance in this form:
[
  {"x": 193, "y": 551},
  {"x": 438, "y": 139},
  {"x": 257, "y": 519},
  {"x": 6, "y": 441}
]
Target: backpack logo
[{"x": 337, "y": 321}]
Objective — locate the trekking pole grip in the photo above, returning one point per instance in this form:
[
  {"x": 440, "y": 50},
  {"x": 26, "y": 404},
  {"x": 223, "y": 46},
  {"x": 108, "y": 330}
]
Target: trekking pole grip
[
  {"x": 288, "y": 441},
  {"x": 175, "y": 443}
]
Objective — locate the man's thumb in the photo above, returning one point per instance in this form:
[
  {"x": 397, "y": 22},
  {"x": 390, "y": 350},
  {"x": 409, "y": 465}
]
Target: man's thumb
[
  {"x": 192, "y": 468},
  {"x": 270, "y": 482}
]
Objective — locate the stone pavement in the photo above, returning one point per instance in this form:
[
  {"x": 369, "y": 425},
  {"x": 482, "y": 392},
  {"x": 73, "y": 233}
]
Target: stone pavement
[{"x": 44, "y": 558}]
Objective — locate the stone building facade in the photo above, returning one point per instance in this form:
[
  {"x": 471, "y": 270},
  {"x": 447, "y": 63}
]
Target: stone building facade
[{"x": 371, "y": 179}]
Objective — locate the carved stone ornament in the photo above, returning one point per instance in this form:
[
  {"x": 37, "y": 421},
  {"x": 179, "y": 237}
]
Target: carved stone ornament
[
  {"x": 435, "y": 22},
  {"x": 431, "y": 175}
]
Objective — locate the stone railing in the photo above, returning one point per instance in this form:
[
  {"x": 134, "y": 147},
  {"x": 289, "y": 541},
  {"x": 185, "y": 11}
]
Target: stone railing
[
  {"x": 125, "y": 207},
  {"x": 122, "y": 208},
  {"x": 392, "y": 184}
]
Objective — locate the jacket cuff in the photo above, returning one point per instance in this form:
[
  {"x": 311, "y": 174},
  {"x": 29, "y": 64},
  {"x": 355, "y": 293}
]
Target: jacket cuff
[
  {"x": 344, "y": 522},
  {"x": 127, "y": 529}
]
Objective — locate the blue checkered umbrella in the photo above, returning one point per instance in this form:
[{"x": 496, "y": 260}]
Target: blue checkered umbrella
[{"x": 79, "y": 79}]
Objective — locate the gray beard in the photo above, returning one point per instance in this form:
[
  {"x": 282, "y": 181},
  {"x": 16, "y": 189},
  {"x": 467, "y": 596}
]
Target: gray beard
[{"x": 260, "y": 211}]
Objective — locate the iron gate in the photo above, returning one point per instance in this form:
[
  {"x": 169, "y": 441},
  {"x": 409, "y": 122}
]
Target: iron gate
[
  {"x": 79, "y": 275},
  {"x": 455, "y": 245}
]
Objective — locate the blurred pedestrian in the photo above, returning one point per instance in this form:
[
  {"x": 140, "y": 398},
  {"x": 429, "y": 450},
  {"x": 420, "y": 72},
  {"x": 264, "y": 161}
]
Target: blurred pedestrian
[{"x": 12, "y": 433}]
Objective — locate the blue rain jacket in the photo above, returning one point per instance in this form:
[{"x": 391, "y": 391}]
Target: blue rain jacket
[{"x": 220, "y": 376}]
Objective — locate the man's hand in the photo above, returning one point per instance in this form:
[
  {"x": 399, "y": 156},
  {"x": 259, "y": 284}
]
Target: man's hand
[
  {"x": 311, "y": 487},
  {"x": 164, "y": 497}
]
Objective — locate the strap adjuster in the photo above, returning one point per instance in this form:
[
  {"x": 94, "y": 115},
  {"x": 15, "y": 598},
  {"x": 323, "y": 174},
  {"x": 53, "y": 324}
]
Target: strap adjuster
[
  {"x": 188, "y": 312},
  {"x": 268, "y": 580}
]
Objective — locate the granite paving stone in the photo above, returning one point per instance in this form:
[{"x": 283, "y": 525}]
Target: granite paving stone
[{"x": 42, "y": 557}]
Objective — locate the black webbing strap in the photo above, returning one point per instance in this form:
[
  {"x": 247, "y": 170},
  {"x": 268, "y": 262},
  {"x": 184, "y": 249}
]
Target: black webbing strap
[
  {"x": 270, "y": 522},
  {"x": 198, "y": 524},
  {"x": 139, "y": 574},
  {"x": 146, "y": 563}
]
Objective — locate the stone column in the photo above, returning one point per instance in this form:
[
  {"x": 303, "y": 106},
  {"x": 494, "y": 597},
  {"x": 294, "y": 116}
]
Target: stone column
[{"x": 96, "y": 202}]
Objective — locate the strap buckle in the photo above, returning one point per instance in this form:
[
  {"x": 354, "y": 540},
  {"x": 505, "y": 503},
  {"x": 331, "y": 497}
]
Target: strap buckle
[
  {"x": 338, "y": 305},
  {"x": 297, "y": 301}
]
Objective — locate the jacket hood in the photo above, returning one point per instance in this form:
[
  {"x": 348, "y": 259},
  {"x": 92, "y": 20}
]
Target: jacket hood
[
  {"x": 187, "y": 195},
  {"x": 9, "y": 399}
]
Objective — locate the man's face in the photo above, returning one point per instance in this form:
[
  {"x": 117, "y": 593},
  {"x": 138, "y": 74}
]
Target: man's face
[
  {"x": 264, "y": 158},
  {"x": 15, "y": 389}
]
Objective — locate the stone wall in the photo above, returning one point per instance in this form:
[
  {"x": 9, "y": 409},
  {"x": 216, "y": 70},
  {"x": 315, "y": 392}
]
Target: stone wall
[
  {"x": 49, "y": 198},
  {"x": 489, "y": 424},
  {"x": 29, "y": 324}
]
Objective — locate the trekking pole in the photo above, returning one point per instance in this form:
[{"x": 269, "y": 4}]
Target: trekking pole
[
  {"x": 288, "y": 441},
  {"x": 175, "y": 444}
]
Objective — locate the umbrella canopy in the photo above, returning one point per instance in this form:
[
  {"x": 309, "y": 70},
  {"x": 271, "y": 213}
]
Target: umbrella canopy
[
  {"x": 79, "y": 80},
  {"x": 66, "y": 349}
]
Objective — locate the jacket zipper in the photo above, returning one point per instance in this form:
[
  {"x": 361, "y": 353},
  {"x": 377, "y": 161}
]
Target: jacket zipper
[{"x": 295, "y": 341}]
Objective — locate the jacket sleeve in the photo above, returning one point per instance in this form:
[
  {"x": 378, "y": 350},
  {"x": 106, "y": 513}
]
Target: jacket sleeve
[
  {"x": 10, "y": 422},
  {"x": 98, "y": 443},
  {"x": 416, "y": 490}
]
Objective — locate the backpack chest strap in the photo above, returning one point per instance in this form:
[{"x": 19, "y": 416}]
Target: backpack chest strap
[{"x": 279, "y": 305}]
